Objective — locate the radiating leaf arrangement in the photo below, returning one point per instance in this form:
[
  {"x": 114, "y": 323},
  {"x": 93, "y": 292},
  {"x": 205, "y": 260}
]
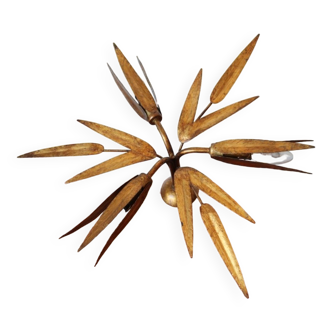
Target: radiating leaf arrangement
[{"x": 184, "y": 184}]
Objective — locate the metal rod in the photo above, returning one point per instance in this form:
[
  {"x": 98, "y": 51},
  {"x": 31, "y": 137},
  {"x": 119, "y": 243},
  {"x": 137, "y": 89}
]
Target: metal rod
[
  {"x": 157, "y": 165},
  {"x": 110, "y": 150},
  {"x": 164, "y": 137},
  {"x": 193, "y": 150},
  {"x": 205, "y": 110}
]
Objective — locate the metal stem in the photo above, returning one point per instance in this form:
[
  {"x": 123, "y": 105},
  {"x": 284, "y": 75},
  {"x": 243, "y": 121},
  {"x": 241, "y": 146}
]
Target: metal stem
[
  {"x": 156, "y": 166},
  {"x": 115, "y": 150},
  {"x": 164, "y": 137},
  {"x": 192, "y": 150},
  {"x": 205, "y": 110}
]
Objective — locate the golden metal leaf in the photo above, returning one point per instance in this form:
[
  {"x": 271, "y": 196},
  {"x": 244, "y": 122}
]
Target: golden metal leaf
[
  {"x": 127, "y": 140},
  {"x": 205, "y": 184},
  {"x": 184, "y": 200},
  {"x": 126, "y": 159},
  {"x": 232, "y": 73},
  {"x": 118, "y": 203},
  {"x": 81, "y": 149},
  {"x": 214, "y": 118},
  {"x": 134, "y": 104},
  {"x": 184, "y": 183},
  {"x": 238, "y": 146},
  {"x": 220, "y": 239},
  {"x": 97, "y": 212},
  {"x": 187, "y": 116},
  {"x": 125, "y": 221},
  {"x": 140, "y": 90}
]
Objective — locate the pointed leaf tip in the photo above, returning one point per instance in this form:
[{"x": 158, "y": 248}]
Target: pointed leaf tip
[
  {"x": 130, "y": 99},
  {"x": 140, "y": 90},
  {"x": 134, "y": 143},
  {"x": 222, "y": 243},
  {"x": 232, "y": 73},
  {"x": 125, "y": 159},
  {"x": 135, "y": 207},
  {"x": 239, "y": 146},
  {"x": 187, "y": 117},
  {"x": 69, "y": 150},
  {"x": 120, "y": 201},
  {"x": 202, "y": 124},
  {"x": 184, "y": 205},
  {"x": 206, "y": 185}
]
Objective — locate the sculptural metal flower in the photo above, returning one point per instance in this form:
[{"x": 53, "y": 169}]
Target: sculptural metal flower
[{"x": 184, "y": 183}]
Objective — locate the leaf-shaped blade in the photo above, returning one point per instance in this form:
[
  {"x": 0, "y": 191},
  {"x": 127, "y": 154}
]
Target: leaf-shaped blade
[
  {"x": 260, "y": 165},
  {"x": 132, "y": 102},
  {"x": 238, "y": 146},
  {"x": 97, "y": 212},
  {"x": 126, "y": 159},
  {"x": 119, "y": 202},
  {"x": 147, "y": 79},
  {"x": 220, "y": 239},
  {"x": 134, "y": 143},
  {"x": 184, "y": 201},
  {"x": 232, "y": 73},
  {"x": 82, "y": 149},
  {"x": 189, "y": 108},
  {"x": 140, "y": 90},
  {"x": 210, "y": 120},
  {"x": 126, "y": 219},
  {"x": 205, "y": 184}
]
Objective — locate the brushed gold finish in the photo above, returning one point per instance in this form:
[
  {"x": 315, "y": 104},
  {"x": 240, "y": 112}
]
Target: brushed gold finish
[
  {"x": 185, "y": 183},
  {"x": 65, "y": 150},
  {"x": 222, "y": 242},
  {"x": 243, "y": 145}
]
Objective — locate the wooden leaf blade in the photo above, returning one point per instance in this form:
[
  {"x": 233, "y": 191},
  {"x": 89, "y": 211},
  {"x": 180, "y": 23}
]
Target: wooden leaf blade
[
  {"x": 81, "y": 149},
  {"x": 136, "y": 206},
  {"x": 205, "y": 184},
  {"x": 126, "y": 159},
  {"x": 184, "y": 205},
  {"x": 187, "y": 116},
  {"x": 239, "y": 146},
  {"x": 137, "y": 85},
  {"x": 132, "y": 102},
  {"x": 232, "y": 73},
  {"x": 115, "y": 207},
  {"x": 97, "y": 212},
  {"x": 134, "y": 143},
  {"x": 214, "y": 118},
  {"x": 221, "y": 241}
]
